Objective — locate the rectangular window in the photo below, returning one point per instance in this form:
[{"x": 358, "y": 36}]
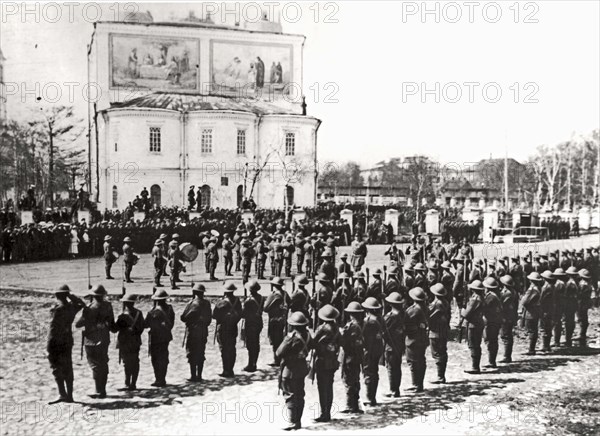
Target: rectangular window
[
  {"x": 241, "y": 141},
  {"x": 290, "y": 144},
  {"x": 224, "y": 181},
  {"x": 155, "y": 139},
  {"x": 206, "y": 141}
]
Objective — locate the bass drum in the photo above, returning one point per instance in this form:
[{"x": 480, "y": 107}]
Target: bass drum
[{"x": 189, "y": 252}]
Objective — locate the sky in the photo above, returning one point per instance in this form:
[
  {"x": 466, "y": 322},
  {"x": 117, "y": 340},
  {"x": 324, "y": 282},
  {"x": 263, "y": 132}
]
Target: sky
[{"x": 456, "y": 82}]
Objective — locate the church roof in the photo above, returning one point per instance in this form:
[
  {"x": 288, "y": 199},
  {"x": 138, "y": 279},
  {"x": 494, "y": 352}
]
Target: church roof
[{"x": 189, "y": 103}]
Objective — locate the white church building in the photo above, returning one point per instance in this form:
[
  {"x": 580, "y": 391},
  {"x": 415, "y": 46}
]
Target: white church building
[{"x": 181, "y": 104}]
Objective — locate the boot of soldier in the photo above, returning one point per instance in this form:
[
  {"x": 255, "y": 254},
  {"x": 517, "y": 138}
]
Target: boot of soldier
[
  {"x": 546, "y": 343},
  {"x": 507, "y": 354},
  {"x": 583, "y": 337},
  {"x": 556, "y": 334},
  {"x": 62, "y": 393},
  {"x": 532, "y": 344},
  {"x": 174, "y": 283},
  {"x": 568, "y": 337},
  {"x": 371, "y": 395},
  {"x": 69, "y": 389},
  {"x": 193, "y": 376},
  {"x": 134, "y": 377},
  {"x": 474, "y": 365},
  {"x": 422, "y": 371},
  {"x": 441, "y": 374},
  {"x": 414, "y": 376}
]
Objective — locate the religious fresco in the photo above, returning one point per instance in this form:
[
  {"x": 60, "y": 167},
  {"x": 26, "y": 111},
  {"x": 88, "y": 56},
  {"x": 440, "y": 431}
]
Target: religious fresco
[
  {"x": 254, "y": 68},
  {"x": 154, "y": 62}
]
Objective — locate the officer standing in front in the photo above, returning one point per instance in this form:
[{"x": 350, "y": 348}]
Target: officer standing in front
[
  {"x": 415, "y": 326},
  {"x": 227, "y": 314},
  {"x": 373, "y": 348},
  {"x": 60, "y": 341},
  {"x": 473, "y": 314},
  {"x": 439, "y": 312}
]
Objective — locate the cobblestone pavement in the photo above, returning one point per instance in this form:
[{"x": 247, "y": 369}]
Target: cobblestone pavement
[
  {"x": 44, "y": 276},
  {"x": 544, "y": 394},
  {"x": 554, "y": 393}
]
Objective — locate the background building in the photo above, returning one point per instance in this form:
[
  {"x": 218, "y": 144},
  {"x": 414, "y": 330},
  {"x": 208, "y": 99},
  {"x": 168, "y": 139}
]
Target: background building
[{"x": 194, "y": 103}]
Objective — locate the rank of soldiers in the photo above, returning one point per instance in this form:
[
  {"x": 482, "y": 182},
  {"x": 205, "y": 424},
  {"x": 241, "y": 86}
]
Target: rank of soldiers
[{"x": 350, "y": 317}]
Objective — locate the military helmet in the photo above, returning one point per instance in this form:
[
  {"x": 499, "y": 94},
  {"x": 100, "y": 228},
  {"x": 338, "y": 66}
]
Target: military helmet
[
  {"x": 438, "y": 289},
  {"x": 343, "y": 276},
  {"x": 277, "y": 282},
  {"x": 417, "y": 294},
  {"x": 507, "y": 280},
  {"x": 328, "y": 313},
  {"x": 446, "y": 265},
  {"x": 230, "y": 287},
  {"x": 572, "y": 271},
  {"x": 98, "y": 290},
  {"x": 198, "y": 288},
  {"x": 129, "y": 298},
  {"x": 161, "y": 294},
  {"x": 548, "y": 275},
  {"x": 323, "y": 277},
  {"x": 301, "y": 279},
  {"x": 535, "y": 276},
  {"x": 584, "y": 274},
  {"x": 394, "y": 298},
  {"x": 63, "y": 289},
  {"x": 127, "y": 239},
  {"x": 252, "y": 285},
  {"x": 297, "y": 319},
  {"x": 420, "y": 267},
  {"x": 377, "y": 272},
  {"x": 371, "y": 303},
  {"x": 559, "y": 272},
  {"x": 476, "y": 285},
  {"x": 490, "y": 283},
  {"x": 354, "y": 307}
]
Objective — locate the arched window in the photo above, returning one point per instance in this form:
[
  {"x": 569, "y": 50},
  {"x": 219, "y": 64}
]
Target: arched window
[
  {"x": 205, "y": 196},
  {"x": 155, "y": 195},
  {"x": 115, "y": 197},
  {"x": 240, "y": 195},
  {"x": 289, "y": 192}
]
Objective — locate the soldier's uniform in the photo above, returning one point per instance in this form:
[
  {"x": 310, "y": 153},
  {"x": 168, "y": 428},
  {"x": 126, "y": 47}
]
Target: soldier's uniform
[
  {"x": 299, "y": 301},
  {"x": 473, "y": 314},
  {"x": 547, "y": 299},
  {"x": 327, "y": 343},
  {"x": 158, "y": 253},
  {"x": 531, "y": 305},
  {"x": 353, "y": 347},
  {"x": 492, "y": 313},
  {"x": 98, "y": 321},
  {"x": 584, "y": 304},
  {"x": 415, "y": 327},
  {"x": 510, "y": 304},
  {"x": 196, "y": 316},
  {"x": 439, "y": 313},
  {"x": 213, "y": 258},
  {"x": 60, "y": 341},
  {"x": 227, "y": 314},
  {"x": 261, "y": 258},
  {"x": 375, "y": 289},
  {"x": 247, "y": 253},
  {"x": 300, "y": 252},
  {"x": 109, "y": 258},
  {"x": 343, "y": 294},
  {"x": 288, "y": 253},
  {"x": 160, "y": 321},
  {"x": 559, "y": 304},
  {"x": 130, "y": 325},
  {"x": 323, "y": 294},
  {"x": 128, "y": 259},
  {"x": 253, "y": 323},
  {"x": 393, "y": 335},
  {"x": 175, "y": 263},
  {"x": 373, "y": 349},
  {"x": 360, "y": 287},
  {"x": 292, "y": 353},
  {"x": 516, "y": 272},
  {"x": 237, "y": 240},
  {"x": 276, "y": 307},
  {"x": 228, "y": 247},
  {"x": 359, "y": 253},
  {"x": 570, "y": 304}
]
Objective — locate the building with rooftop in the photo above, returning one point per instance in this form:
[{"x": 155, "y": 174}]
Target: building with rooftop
[{"x": 193, "y": 103}]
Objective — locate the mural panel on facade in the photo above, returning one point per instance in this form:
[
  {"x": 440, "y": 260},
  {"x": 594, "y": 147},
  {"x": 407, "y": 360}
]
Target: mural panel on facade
[
  {"x": 153, "y": 62},
  {"x": 251, "y": 68}
]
